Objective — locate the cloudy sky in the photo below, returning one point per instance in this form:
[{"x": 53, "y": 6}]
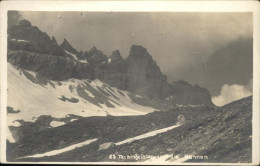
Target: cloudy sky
[{"x": 213, "y": 50}]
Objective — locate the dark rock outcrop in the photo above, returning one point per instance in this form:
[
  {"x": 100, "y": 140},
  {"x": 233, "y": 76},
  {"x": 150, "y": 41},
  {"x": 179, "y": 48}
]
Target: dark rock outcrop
[
  {"x": 140, "y": 74},
  {"x": 184, "y": 93},
  {"x": 113, "y": 72},
  {"x": 116, "y": 56},
  {"x": 65, "y": 45},
  {"x": 29, "y": 38},
  {"x": 95, "y": 57},
  {"x": 54, "y": 41},
  {"x": 143, "y": 75},
  {"x": 116, "y": 62},
  {"x": 53, "y": 67},
  {"x": 69, "y": 50},
  {"x": 137, "y": 73},
  {"x": 72, "y": 99}
]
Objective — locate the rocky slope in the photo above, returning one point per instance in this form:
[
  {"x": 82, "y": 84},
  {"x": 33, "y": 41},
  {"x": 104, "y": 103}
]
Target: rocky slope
[
  {"x": 31, "y": 49},
  {"x": 203, "y": 134}
]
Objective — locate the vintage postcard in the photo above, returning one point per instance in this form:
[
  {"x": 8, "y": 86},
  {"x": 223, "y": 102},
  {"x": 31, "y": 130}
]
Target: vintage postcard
[{"x": 142, "y": 82}]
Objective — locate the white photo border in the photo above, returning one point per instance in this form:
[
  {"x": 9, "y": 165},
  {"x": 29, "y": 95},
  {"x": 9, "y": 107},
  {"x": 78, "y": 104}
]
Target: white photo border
[{"x": 135, "y": 6}]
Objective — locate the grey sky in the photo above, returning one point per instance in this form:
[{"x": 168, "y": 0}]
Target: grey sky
[{"x": 181, "y": 43}]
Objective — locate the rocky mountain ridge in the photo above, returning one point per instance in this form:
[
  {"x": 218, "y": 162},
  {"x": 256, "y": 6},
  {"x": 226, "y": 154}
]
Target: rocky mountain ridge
[
  {"x": 26, "y": 37},
  {"x": 31, "y": 49}
]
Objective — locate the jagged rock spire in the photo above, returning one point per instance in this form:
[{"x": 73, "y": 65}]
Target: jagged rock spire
[
  {"x": 116, "y": 56},
  {"x": 65, "y": 45}
]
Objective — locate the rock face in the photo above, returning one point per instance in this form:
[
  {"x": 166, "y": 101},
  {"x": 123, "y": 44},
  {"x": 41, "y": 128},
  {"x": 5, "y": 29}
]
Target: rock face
[
  {"x": 65, "y": 45},
  {"x": 114, "y": 71},
  {"x": 116, "y": 56},
  {"x": 116, "y": 62},
  {"x": 31, "y": 49},
  {"x": 70, "y": 51},
  {"x": 95, "y": 57},
  {"x": 140, "y": 74},
  {"x": 53, "y": 67},
  {"x": 54, "y": 41},
  {"x": 26, "y": 37},
  {"x": 143, "y": 75},
  {"x": 137, "y": 73},
  {"x": 184, "y": 93}
]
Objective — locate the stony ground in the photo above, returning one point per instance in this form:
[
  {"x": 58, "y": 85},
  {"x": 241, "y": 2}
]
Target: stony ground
[{"x": 222, "y": 134}]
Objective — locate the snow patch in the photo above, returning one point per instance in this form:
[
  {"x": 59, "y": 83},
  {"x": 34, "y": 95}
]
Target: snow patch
[
  {"x": 189, "y": 105},
  {"x": 56, "y": 123},
  {"x": 73, "y": 55},
  {"x": 18, "y": 40},
  {"x": 168, "y": 98},
  {"x": 23, "y": 41},
  {"x": 146, "y": 135},
  {"x": 73, "y": 120},
  {"x": 138, "y": 96},
  {"x": 96, "y": 83},
  {"x": 59, "y": 151},
  {"x": 45, "y": 99},
  {"x": 83, "y": 61},
  {"x": 109, "y": 60},
  {"x": 89, "y": 93}
]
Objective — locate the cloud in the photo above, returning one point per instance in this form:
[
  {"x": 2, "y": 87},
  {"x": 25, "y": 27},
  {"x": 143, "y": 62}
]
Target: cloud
[
  {"x": 176, "y": 36},
  {"x": 231, "y": 93}
]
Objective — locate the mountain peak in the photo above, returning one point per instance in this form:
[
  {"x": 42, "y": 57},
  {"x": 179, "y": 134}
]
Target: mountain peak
[
  {"x": 93, "y": 49},
  {"x": 116, "y": 56},
  {"x": 68, "y": 47},
  {"x": 138, "y": 73},
  {"x": 34, "y": 39},
  {"x": 138, "y": 50},
  {"x": 25, "y": 23},
  {"x": 95, "y": 56},
  {"x": 116, "y": 52},
  {"x": 54, "y": 40}
]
